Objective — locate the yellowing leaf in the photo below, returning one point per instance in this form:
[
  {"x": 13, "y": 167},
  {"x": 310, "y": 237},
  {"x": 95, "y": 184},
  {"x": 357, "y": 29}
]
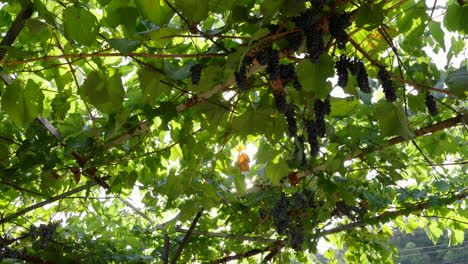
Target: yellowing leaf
[{"x": 243, "y": 162}]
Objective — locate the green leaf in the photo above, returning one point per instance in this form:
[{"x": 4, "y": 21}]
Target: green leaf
[
  {"x": 44, "y": 13},
  {"x": 392, "y": 120},
  {"x": 455, "y": 17},
  {"x": 370, "y": 16},
  {"x": 159, "y": 36},
  {"x": 270, "y": 7},
  {"x": 456, "y": 236},
  {"x": 341, "y": 107},
  {"x": 156, "y": 11},
  {"x": 276, "y": 170},
  {"x": 22, "y": 104},
  {"x": 124, "y": 46},
  {"x": 193, "y": 10},
  {"x": 80, "y": 25},
  {"x": 105, "y": 95},
  {"x": 239, "y": 182},
  {"x": 121, "y": 15},
  {"x": 457, "y": 82},
  {"x": 72, "y": 125},
  {"x": 313, "y": 77},
  {"x": 442, "y": 186},
  {"x": 151, "y": 86},
  {"x": 437, "y": 33},
  {"x": 253, "y": 122}
]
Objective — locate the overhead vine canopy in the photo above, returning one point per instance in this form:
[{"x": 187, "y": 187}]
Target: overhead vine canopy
[{"x": 209, "y": 131}]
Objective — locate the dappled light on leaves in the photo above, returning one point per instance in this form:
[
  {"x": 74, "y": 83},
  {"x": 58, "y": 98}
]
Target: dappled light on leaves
[{"x": 186, "y": 131}]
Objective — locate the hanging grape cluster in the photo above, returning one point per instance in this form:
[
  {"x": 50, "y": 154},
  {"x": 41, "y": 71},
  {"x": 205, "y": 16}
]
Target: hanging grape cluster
[
  {"x": 352, "y": 212},
  {"x": 263, "y": 55},
  {"x": 288, "y": 74},
  {"x": 241, "y": 75},
  {"x": 288, "y": 219},
  {"x": 361, "y": 75},
  {"x": 195, "y": 71},
  {"x": 294, "y": 40},
  {"x": 290, "y": 115},
  {"x": 356, "y": 68},
  {"x": 387, "y": 86},
  {"x": 314, "y": 36},
  {"x": 431, "y": 105},
  {"x": 337, "y": 25},
  {"x": 43, "y": 233},
  {"x": 341, "y": 67}
]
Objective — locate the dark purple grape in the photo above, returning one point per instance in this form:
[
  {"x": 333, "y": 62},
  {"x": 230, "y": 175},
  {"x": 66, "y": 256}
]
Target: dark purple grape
[
  {"x": 337, "y": 25},
  {"x": 387, "y": 86},
  {"x": 287, "y": 72},
  {"x": 241, "y": 78},
  {"x": 312, "y": 134},
  {"x": 290, "y": 115},
  {"x": 273, "y": 67},
  {"x": 296, "y": 236},
  {"x": 314, "y": 44},
  {"x": 294, "y": 40},
  {"x": 195, "y": 70},
  {"x": 297, "y": 85},
  {"x": 263, "y": 56},
  {"x": 280, "y": 102},
  {"x": 341, "y": 67},
  {"x": 431, "y": 104},
  {"x": 362, "y": 78},
  {"x": 280, "y": 213}
]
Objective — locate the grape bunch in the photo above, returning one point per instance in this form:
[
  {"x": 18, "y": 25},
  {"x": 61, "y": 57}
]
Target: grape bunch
[
  {"x": 288, "y": 74},
  {"x": 290, "y": 115},
  {"x": 387, "y": 86},
  {"x": 305, "y": 21},
  {"x": 280, "y": 213},
  {"x": 287, "y": 218},
  {"x": 341, "y": 67},
  {"x": 297, "y": 85},
  {"x": 362, "y": 77},
  {"x": 241, "y": 78},
  {"x": 337, "y": 25},
  {"x": 314, "y": 44},
  {"x": 321, "y": 108},
  {"x": 352, "y": 212},
  {"x": 314, "y": 36},
  {"x": 312, "y": 137},
  {"x": 296, "y": 236},
  {"x": 263, "y": 56},
  {"x": 195, "y": 71},
  {"x": 294, "y": 40},
  {"x": 298, "y": 202},
  {"x": 280, "y": 102},
  {"x": 241, "y": 75},
  {"x": 273, "y": 68},
  {"x": 431, "y": 104},
  {"x": 262, "y": 214}
]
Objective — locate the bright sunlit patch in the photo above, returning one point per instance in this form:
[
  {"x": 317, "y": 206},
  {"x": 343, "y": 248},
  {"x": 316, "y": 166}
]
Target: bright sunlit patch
[{"x": 228, "y": 95}]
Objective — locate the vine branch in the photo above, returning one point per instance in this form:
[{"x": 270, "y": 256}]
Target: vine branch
[
  {"x": 228, "y": 236},
  {"x": 48, "y": 201},
  {"x": 95, "y": 55},
  {"x": 391, "y": 214},
  {"x": 253, "y": 252},
  {"x": 16, "y": 28},
  {"x": 186, "y": 238}
]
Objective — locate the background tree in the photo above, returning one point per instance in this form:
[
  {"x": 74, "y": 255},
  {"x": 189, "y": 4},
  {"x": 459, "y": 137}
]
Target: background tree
[{"x": 354, "y": 129}]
